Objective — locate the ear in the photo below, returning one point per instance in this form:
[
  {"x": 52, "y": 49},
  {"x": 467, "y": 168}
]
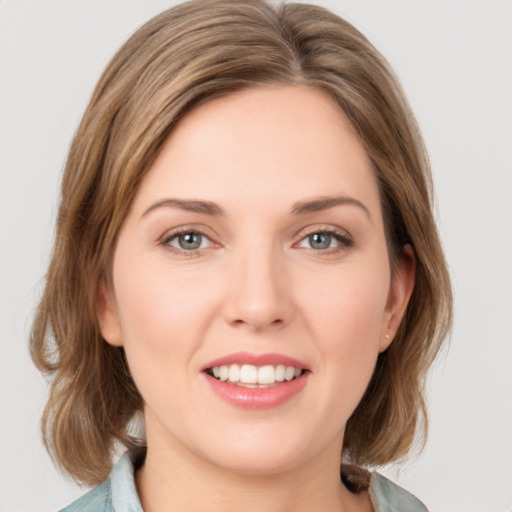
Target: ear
[
  {"x": 107, "y": 316},
  {"x": 400, "y": 290}
]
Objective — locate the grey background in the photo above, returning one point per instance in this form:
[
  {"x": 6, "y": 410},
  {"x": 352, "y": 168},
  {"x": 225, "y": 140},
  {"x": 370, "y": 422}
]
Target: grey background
[{"x": 454, "y": 58}]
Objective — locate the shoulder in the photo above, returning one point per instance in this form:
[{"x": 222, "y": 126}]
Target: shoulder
[
  {"x": 387, "y": 496},
  {"x": 117, "y": 493}
]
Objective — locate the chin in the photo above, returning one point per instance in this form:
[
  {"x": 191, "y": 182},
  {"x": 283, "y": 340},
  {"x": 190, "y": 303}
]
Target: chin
[
  {"x": 261, "y": 453},
  {"x": 261, "y": 463}
]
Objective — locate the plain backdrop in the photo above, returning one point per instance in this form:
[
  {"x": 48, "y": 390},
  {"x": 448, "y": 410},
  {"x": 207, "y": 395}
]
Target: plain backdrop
[{"x": 454, "y": 59}]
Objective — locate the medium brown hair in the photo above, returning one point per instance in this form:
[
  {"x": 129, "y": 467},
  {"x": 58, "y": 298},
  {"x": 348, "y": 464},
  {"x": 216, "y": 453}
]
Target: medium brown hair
[{"x": 187, "y": 55}]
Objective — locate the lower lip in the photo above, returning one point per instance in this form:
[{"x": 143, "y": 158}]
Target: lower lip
[{"x": 257, "y": 398}]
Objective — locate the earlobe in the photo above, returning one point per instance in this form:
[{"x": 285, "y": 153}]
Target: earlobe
[
  {"x": 106, "y": 315},
  {"x": 402, "y": 285}
]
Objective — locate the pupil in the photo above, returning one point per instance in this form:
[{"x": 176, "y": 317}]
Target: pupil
[
  {"x": 320, "y": 240},
  {"x": 190, "y": 241}
]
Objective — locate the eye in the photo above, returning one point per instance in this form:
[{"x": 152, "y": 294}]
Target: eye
[
  {"x": 187, "y": 241},
  {"x": 324, "y": 240},
  {"x": 320, "y": 240}
]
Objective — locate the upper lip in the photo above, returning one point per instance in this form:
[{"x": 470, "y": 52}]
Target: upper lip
[{"x": 256, "y": 360}]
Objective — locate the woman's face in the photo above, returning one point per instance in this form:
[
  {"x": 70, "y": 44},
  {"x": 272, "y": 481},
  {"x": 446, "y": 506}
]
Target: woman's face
[{"x": 255, "y": 244}]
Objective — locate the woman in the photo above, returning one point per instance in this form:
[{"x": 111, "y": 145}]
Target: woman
[{"x": 246, "y": 254}]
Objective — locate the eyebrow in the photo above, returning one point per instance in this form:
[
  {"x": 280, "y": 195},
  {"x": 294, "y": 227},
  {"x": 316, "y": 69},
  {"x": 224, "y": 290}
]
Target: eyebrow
[
  {"x": 325, "y": 202},
  {"x": 299, "y": 208},
  {"x": 189, "y": 205}
]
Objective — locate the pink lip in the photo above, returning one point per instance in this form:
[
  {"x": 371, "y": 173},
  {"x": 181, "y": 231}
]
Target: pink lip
[
  {"x": 257, "y": 398},
  {"x": 256, "y": 360}
]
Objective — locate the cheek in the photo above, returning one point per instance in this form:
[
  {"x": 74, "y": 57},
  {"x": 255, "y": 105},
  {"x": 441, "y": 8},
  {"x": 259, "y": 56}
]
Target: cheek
[
  {"x": 161, "y": 329},
  {"x": 350, "y": 307},
  {"x": 346, "y": 320},
  {"x": 161, "y": 313}
]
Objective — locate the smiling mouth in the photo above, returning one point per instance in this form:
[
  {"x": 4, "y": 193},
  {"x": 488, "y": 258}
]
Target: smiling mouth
[{"x": 250, "y": 376}]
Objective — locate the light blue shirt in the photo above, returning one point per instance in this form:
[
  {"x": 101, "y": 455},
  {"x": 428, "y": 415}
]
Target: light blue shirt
[{"x": 119, "y": 494}]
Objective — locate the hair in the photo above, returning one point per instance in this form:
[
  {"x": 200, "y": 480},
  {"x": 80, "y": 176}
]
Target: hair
[{"x": 187, "y": 55}]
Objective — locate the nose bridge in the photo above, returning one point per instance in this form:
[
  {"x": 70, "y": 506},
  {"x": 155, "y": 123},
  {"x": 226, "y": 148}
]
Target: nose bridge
[{"x": 258, "y": 292}]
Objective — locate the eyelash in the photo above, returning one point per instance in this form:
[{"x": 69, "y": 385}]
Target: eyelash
[
  {"x": 169, "y": 237},
  {"x": 344, "y": 241}
]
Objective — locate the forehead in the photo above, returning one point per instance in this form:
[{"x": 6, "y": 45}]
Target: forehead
[{"x": 274, "y": 143}]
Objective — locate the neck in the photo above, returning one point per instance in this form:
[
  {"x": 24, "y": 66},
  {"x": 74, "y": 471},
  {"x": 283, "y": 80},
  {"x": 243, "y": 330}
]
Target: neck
[{"x": 172, "y": 478}]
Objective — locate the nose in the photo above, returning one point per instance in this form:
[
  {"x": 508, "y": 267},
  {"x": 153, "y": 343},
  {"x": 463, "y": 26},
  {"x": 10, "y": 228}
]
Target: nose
[{"x": 259, "y": 293}]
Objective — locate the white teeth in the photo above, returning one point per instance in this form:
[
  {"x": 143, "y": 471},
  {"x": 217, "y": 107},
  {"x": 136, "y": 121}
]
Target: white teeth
[
  {"x": 266, "y": 375},
  {"x": 289, "y": 373},
  {"x": 234, "y": 373},
  {"x": 248, "y": 375},
  {"x": 224, "y": 373}
]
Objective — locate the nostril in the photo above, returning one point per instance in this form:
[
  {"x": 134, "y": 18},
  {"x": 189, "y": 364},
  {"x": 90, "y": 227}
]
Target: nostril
[{"x": 258, "y": 323}]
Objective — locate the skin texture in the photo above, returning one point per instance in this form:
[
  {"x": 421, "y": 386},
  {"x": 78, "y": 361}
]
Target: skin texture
[{"x": 256, "y": 284}]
